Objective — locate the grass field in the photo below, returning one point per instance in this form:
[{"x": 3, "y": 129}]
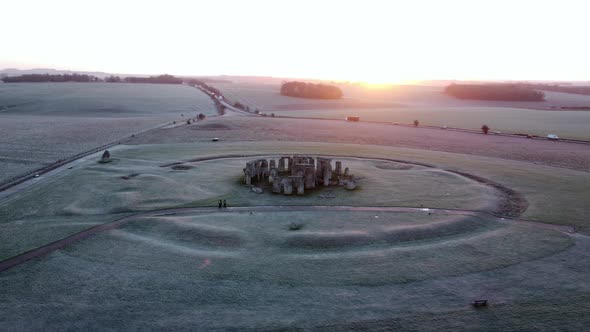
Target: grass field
[
  {"x": 136, "y": 181},
  {"x": 340, "y": 271},
  {"x": 554, "y": 195},
  {"x": 566, "y": 124},
  {"x": 41, "y": 123},
  {"x": 426, "y": 104}
]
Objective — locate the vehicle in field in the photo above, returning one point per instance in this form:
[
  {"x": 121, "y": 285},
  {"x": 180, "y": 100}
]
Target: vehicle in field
[{"x": 553, "y": 137}]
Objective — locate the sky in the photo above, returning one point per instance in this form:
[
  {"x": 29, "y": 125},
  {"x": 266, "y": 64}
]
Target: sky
[{"x": 369, "y": 40}]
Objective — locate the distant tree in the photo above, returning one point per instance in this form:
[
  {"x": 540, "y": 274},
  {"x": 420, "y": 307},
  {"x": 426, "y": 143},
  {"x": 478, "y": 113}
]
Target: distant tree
[
  {"x": 576, "y": 89},
  {"x": 485, "y": 129},
  {"x": 162, "y": 79},
  {"x": 42, "y": 78},
  {"x": 416, "y": 123},
  {"x": 272, "y": 115},
  {"x": 506, "y": 92},
  {"x": 201, "y": 116},
  {"x": 112, "y": 79},
  {"x": 310, "y": 90}
]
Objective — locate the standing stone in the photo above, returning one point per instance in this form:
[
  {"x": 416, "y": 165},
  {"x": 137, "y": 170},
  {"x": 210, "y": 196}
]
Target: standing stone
[
  {"x": 273, "y": 174},
  {"x": 287, "y": 186},
  {"x": 351, "y": 184},
  {"x": 309, "y": 177},
  {"x": 338, "y": 169},
  {"x": 247, "y": 177},
  {"x": 276, "y": 185},
  {"x": 289, "y": 164},
  {"x": 281, "y": 165},
  {"x": 327, "y": 173},
  {"x": 264, "y": 168},
  {"x": 298, "y": 184},
  {"x": 106, "y": 157}
]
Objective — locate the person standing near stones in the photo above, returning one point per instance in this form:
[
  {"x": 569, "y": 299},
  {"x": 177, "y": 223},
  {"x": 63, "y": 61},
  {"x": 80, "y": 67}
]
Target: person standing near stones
[
  {"x": 224, "y": 203},
  {"x": 219, "y": 203}
]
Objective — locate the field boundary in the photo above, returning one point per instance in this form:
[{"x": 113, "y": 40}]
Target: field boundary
[
  {"x": 512, "y": 203},
  {"x": 61, "y": 162},
  {"x": 464, "y": 130},
  {"x": 82, "y": 235},
  {"x": 32, "y": 174}
]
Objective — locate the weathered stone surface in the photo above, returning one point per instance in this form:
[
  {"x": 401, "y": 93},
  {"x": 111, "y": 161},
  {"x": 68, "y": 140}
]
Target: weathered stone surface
[
  {"x": 338, "y": 170},
  {"x": 351, "y": 183},
  {"x": 309, "y": 177},
  {"x": 287, "y": 186},
  {"x": 297, "y": 173},
  {"x": 276, "y": 185},
  {"x": 298, "y": 184},
  {"x": 106, "y": 157},
  {"x": 281, "y": 165}
]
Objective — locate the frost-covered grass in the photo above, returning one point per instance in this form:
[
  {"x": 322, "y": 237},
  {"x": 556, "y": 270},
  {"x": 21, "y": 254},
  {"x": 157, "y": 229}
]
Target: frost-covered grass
[
  {"x": 43, "y": 123},
  {"x": 429, "y": 105},
  {"x": 339, "y": 271},
  {"x": 241, "y": 271},
  {"x": 554, "y": 195},
  {"x": 566, "y": 124},
  {"x": 135, "y": 182}
]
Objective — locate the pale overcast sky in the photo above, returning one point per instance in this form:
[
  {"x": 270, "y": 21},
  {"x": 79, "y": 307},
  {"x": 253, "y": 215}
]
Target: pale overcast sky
[{"x": 377, "y": 41}]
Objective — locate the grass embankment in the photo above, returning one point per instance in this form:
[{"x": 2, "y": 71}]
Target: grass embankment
[
  {"x": 253, "y": 272},
  {"x": 130, "y": 184},
  {"x": 554, "y": 195}
]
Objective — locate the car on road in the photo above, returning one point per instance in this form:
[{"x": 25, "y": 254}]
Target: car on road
[{"x": 553, "y": 137}]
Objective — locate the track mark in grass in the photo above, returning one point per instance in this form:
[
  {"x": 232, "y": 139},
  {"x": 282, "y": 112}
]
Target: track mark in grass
[{"x": 130, "y": 176}]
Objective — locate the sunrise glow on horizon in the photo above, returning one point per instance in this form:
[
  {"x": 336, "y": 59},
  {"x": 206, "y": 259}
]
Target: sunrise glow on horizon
[{"x": 370, "y": 41}]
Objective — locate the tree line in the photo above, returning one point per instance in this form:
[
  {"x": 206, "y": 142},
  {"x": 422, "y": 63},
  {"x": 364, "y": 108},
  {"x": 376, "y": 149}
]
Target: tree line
[
  {"x": 83, "y": 78},
  {"x": 39, "y": 78},
  {"x": 579, "y": 89},
  {"x": 311, "y": 90},
  {"x": 500, "y": 92}
]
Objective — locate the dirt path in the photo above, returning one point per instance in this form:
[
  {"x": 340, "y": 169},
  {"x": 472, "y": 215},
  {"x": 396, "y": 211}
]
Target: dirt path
[{"x": 60, "y": 244}]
